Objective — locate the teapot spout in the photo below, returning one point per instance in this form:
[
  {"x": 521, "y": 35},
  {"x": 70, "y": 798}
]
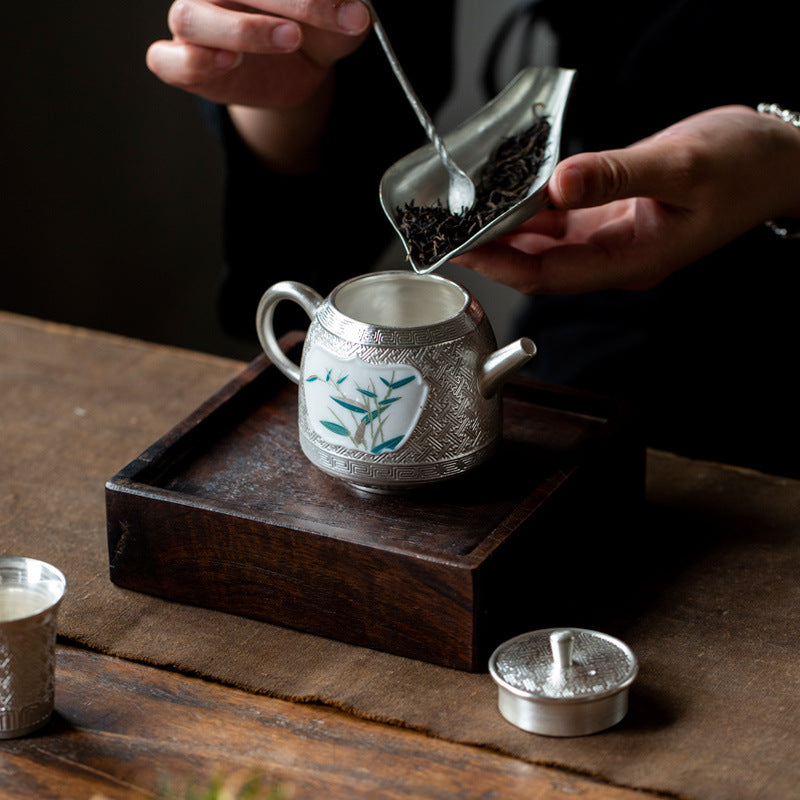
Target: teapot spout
[{"x": 502, "y": 363}]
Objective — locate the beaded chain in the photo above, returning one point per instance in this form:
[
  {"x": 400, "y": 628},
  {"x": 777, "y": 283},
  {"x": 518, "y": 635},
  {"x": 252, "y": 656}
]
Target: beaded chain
[{"x": 786, "y": 230}]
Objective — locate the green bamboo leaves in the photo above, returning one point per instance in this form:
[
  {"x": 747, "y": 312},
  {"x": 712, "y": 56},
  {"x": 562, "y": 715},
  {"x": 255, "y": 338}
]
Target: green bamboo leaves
[
  {"x": 349, "y": 406},
  {"x": 335, "y": 427},
  {"x": 361, "y": 419},
  {"x": 398, "y": 384},
  {"x": 389, "y": 444}
]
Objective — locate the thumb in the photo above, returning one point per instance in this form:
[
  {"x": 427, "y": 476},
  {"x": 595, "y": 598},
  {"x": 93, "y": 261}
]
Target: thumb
[{"x": 593, "y": 179}]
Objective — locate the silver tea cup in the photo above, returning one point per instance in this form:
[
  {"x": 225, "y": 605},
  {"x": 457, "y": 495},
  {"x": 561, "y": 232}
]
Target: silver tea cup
[
  {"x": 399, "y": 378},
  {"x": 30, "y": 595}
]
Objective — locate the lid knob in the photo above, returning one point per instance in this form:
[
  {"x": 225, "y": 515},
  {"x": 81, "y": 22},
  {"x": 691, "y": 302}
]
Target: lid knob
[{"x": 562, "y": 644}]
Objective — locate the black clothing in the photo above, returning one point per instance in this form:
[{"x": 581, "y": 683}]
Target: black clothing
[
  {"x": 707, "y": 357},
  {"x": 323, "y": 228}
]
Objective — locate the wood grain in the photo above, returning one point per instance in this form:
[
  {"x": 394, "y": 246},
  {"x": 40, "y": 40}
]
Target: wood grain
[{"x": 121, "y": 729}]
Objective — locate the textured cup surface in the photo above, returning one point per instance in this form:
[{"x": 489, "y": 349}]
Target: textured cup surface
[{"x": 30, "y": 596}]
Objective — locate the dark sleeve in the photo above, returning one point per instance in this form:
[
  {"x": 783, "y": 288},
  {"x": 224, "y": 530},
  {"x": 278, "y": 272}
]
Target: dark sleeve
[
  {"x": 703, "y": 355},
  {"x": 328, "y": 226},
  {"x": 644, "y": 66}
]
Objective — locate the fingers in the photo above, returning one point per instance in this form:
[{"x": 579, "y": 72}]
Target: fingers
[
  {"x": 209, "y": 41},
  {"x": 563, "y": 270},
  {"x": 504, "y": 264},
  {"x": 342, "y": 16},
  {"x": 547, "y": 222},
  {"x": 264, "y": 26},
  {"x": 209, "y": 38},
  {"x": 208, "y": 25},
  {"x": 185, "y": 65}
]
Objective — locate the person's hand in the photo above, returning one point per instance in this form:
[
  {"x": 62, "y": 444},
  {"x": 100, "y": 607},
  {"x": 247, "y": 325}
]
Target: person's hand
[
  {"x": 264, "y": 54},
  {"x": 628, "y": 218},
  {"x": 269, "y": 61}
]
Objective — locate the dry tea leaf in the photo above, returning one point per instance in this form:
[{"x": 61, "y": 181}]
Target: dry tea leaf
[{"x": 432, "y": 231}]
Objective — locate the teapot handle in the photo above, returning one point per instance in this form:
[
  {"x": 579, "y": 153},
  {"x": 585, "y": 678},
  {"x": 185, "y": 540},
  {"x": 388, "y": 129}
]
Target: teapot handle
[{"x": 306, "y": 298}]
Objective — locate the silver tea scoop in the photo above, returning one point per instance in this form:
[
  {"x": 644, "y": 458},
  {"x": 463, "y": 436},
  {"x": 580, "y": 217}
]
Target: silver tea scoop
[
  {"x": 563, "y": 681},
  {"x": 419, "y": 177},
  {"x": 461, "y": 189}
]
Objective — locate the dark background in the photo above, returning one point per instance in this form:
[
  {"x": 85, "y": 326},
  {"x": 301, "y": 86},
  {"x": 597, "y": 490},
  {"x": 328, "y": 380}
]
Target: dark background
[{"x": 111, "y": 182}]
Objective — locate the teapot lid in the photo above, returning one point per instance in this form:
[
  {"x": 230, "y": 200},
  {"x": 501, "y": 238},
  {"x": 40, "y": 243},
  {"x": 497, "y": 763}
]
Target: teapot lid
[{"x": 563, "y": 681}]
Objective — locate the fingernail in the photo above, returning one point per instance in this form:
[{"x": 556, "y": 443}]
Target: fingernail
[
  {"x": 227, "y": 59},
  {"x": 286, "y": 36},
  {"x": 353, "y": 16}
]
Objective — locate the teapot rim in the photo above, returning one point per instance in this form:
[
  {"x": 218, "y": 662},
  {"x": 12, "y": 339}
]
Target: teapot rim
[{"x": 354, "y": 301}]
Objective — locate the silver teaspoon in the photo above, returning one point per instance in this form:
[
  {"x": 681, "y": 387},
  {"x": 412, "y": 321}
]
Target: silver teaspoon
[{"x": 461, "y": 190}]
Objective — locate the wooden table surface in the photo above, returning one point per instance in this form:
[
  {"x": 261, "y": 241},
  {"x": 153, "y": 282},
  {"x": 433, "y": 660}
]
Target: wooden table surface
[
  {"x": 129, "y": 730},
  {"x": 124, "y": 730}
]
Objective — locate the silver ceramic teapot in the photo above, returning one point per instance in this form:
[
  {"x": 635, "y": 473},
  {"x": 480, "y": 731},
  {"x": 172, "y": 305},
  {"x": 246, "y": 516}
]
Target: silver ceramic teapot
[{"x": 398, "y": 380}]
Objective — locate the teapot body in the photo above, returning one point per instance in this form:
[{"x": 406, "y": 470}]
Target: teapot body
[{"x": 389, "y": 384}]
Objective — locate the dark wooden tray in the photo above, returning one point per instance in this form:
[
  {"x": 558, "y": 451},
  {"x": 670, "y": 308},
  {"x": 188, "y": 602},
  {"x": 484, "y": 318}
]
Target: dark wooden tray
[{"x": 225, "y": 512}]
